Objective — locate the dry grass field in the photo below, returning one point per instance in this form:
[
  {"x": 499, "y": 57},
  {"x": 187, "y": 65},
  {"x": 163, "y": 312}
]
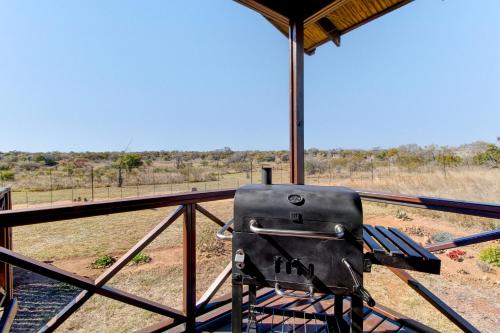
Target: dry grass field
[{"x": 75, "y": 244}]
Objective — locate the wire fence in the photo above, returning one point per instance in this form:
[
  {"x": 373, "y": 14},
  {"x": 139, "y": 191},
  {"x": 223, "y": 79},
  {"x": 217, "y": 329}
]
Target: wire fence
[{"x": 86, "y": 189}]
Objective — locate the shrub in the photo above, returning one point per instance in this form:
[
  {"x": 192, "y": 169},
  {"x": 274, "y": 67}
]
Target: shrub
[
  {"x": 456, "y": 255},
  {"x": 103, "y": 261},
  {"x": 7, "y": 175},
  {"x": 140, "y": 258},
  {"x": 442, "y": 237},
  {"x": 491, "y": 255},
  {"x": 402, "y": 215},
  {"x": 484, "y": 267},
  {"x": 491, "y": 156},
  {"x": 314, "y": 165}
]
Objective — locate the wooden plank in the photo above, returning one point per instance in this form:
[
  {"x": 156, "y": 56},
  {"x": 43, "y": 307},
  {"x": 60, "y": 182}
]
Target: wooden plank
[
  {"x": 85, "y": 283},
  {"x": 425, "y": 253},
  {"x": 220, "y": 316},
  {"x": 390, "y": 247},
  {"x": 6, "y": 272},
  {"x": 409, "y": 251},
  {"x": 159, "y": 327},
  {"x": 435, "y": 301},
  {"x": 73, "y": 211},
  {"x": 214, "y": 287},
  {"x": 8, "y": 316},
  {"x": 373, "y": 245},
  {"x": 371, "y": 321},
  {"x": 85, "y": 295},
  {"x": 189, "y": 266},
  {"x": 387, "y": 326},
  {"x": 324, "y": 12},
  {"x": 265, "y": 11},
  {"x": 212, "y": 217},
  {"x": 489, "y": 210},
  {"x": 464, "y": 241},
  {"x": 405, "y": 321}
]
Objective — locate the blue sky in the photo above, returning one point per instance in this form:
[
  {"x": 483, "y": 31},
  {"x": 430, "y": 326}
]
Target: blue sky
[{"x": 96, "y": 75}]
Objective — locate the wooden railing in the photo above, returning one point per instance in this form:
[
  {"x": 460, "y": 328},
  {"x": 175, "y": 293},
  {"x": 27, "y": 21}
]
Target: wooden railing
[
  {"x": 188, "y": 204},
  {"x": 8, "y": 303}
]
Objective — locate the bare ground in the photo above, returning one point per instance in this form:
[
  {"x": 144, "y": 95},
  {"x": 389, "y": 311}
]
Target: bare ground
[{"x": 463, "y": 285}]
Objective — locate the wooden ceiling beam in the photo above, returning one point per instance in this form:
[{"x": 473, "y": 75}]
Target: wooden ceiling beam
[
  {"x": 324, "y": 12},
  {"x": 266, "y": 11},
  {"x": 330, "y": 29}
]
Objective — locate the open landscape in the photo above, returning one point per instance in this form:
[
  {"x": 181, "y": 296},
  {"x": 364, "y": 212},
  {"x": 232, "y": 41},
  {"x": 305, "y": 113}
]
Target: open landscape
[{"x": 87, "y": 246}]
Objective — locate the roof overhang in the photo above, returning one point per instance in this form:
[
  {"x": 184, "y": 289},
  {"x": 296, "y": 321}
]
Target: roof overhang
[{"x": 324, "y": 20}]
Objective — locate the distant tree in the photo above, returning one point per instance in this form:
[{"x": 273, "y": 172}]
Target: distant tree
[
  {"x": 47, "y": 159},
  {"x": 490, "y": 157},
  {"x": 448, "y": 158},
  {"x": 129, "y": 161}
]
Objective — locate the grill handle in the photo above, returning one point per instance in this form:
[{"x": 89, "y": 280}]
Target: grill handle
[
  {"x": 221, "y": 234},
  {"x": 338, "y": 234},
  {"x": 282, "y": 292}
]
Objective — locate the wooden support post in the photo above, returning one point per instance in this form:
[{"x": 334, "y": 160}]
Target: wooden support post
[
  {"x": 189, "y": 264},
  {"x": 6, "y": 273},
  {"x": 296, "y": 39}
]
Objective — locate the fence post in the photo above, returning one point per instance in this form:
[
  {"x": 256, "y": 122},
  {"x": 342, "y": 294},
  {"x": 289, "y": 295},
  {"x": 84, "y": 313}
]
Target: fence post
[
  {"x": 51, "y": 189},
  {"x": 92, "y": 181},
  {"x": 6, "y": 273},
  {"x": 189, "y": 266}
]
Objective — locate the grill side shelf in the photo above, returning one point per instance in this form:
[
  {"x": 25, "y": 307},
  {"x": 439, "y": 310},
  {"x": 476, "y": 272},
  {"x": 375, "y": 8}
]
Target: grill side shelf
[
  {"x": 391, "y": 247},
  {"x": 393, "y": 250},
  {"x": 423, "y": 251}
]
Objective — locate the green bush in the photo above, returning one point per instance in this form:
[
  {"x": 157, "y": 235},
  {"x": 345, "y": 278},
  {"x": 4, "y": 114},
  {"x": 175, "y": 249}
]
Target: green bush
[
  {"x": 402, "y": 215},
  {"x": 7, "y": 175},
  {"x": 103, "y": 261},
  {"x": 140, "y": 258},
  {"x": 491, "y": 255}
]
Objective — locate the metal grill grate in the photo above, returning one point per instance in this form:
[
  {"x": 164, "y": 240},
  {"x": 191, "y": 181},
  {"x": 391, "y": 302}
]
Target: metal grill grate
[{"x": 273, "y": 320}]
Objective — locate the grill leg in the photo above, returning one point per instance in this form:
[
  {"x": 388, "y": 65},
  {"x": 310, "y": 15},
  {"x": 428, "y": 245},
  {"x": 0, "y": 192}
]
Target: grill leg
[
  {"x": 357, "y": 314},
  {"x": 252, "y": 299},
  {"x": 236, "y": 314},
  {"x": 338, "y": 308}
]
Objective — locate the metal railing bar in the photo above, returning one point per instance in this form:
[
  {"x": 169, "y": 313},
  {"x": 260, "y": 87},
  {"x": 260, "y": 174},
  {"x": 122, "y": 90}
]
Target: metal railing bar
[
  {"x": 73, "y": 211},
  {"x": 53, "y": 272},
  {"x": 467, "y": 240},
  {"x": 214, "y": 287},
  {"x": 85, "y": 295},
  {"x": 212, "y": 217}
]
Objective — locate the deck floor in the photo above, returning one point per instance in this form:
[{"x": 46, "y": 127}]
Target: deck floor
[{"x": 373, "y": 321}]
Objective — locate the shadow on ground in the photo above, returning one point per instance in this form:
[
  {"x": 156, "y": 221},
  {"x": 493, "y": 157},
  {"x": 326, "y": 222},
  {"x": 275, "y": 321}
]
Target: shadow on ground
[{"x": 39, "y": 299}]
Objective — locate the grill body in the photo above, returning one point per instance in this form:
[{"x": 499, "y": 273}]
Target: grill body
[{"x": 296, "y": 237}]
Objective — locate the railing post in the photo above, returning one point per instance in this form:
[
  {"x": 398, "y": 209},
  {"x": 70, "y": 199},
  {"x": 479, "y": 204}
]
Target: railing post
[
  {"x": 6, "y": 273},
  {"x": 189, "y": 264}
]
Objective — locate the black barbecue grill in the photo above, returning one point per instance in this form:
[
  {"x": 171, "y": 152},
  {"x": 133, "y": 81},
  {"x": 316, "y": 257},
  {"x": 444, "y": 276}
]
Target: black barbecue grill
[{"x": 307, "y": 242}]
